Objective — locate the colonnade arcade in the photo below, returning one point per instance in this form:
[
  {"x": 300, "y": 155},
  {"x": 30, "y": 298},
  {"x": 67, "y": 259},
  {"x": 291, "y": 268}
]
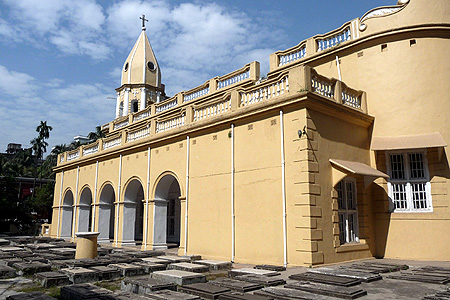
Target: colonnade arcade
[{"x": 123, "y": 221}]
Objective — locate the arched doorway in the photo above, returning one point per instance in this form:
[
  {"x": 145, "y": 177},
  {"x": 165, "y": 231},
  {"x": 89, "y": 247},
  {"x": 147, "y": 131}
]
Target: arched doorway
[
  {"x": 133, "y": 211},
  {"x": 167, "y": 218},
  {"x": 106, "y": 213},
  {"x": 67, "y": 215},
  {"x": 85, "y": 211}
]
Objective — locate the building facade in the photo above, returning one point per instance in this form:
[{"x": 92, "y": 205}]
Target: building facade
[{"x": 339, "y": 154}]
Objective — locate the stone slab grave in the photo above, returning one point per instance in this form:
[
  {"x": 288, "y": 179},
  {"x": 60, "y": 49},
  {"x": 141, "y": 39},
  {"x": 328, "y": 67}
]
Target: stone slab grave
[
  {"x": 66, "y": 252},
  {"x": 380, "y": 267},
  {"x": 127, "y": 270},
  {"x": 30, "y": 296},
  {"x": 174, "y": 259},
  {"x": 261, "y": 279},
  {"x": 324, "y": 278},
  {"x": 40, "y": 246},
  {"x": 156, "y": 261},
  {"x": 179, "y": 277},
  {"x": 106, "y": 273},
  {"x": 7, "y": 272},
  {"x": 144, "y": 254},
  {"x": 443, "y": 295},
  {"x": 28, "y": 268},
  {"x": 35, "y": 258},
  {"x": 119, "y": 295},
  {"x": 10, "y": 261},
  {"x": 204, "y": 290},
  {"x": 270, "y": 268},
  {"x": 4, "y": 242},
  {"x": 327, "y": 290},
  {"x": 171, "y": 295},
  {"x": 11, "y": 249},
  {"x": 149, "y": 267},
  {"x": 143, "y": 285},
  {"x": 215, "y": 265},
  {"x": 192, "y": 257},
  {"x": 434, "y": 270},
  {"x": 23, "y": 254},
  {"x": 236, "y": 285},
  {"x": 50, "y": 257},
  {"x": 190, "y": 267},
  {"x": 47, "y": 279},
  {"x": 247, "y": 271},
  {"x": 363, "y": 276},
  {"x": 80, "y": 275},
  {"x": 289, "y": 294},
  {"x": 241, "y": 296},
  {"x": 83, "y": 291},
  {"x": 429, "y": 278}
]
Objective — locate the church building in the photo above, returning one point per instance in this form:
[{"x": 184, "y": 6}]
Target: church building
[{"x": 339, "y": 154}]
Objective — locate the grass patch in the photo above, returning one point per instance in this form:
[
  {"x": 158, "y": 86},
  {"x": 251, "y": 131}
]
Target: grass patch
[
  {"x": 215, "y": 275},
  {"x": 53, "y": 291},
  {"x": 109, "y": 285}
]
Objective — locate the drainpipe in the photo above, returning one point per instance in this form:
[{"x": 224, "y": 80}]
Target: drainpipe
[
  {"x": 75, "y": 203},
  {"x": 58, "y": 235},
  {"x": 232, "y": 197},
  {"x": 283, "y": 188},
  {"x": 116, "y": 227},
  {"x": 146, "y": 200},
  {"x": 95, "y": 197},
  {"x": 187, "y": 195},
  {"x": 338, "y": 68}
]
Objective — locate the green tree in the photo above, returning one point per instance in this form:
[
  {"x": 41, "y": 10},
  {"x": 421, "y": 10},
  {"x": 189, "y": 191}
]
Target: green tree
[{"x": 98, "y": 134}]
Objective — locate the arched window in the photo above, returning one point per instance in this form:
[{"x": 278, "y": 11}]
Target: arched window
[
  {"x": 134, "y": 106},
  {"x": 121, "y": 109}
]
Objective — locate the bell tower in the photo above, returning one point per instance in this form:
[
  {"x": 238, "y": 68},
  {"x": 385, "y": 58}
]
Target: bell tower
[{"x": 141, "y": 78}]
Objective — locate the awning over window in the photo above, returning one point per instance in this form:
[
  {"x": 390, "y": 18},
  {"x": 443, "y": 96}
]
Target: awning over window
[
  {"x": 418, "y": 141},
  {"x": 343, "y": 168}
]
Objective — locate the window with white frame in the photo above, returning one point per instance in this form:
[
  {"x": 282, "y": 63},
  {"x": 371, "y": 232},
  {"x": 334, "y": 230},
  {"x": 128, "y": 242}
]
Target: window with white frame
[
  {"x": 409, "y": 183},
  {"x": 347, "y": 211}
]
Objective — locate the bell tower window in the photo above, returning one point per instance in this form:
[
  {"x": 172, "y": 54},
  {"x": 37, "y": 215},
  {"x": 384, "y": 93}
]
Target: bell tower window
[
  {"x": 121, "y": 109},
  {"x": 134, "y": 106}
]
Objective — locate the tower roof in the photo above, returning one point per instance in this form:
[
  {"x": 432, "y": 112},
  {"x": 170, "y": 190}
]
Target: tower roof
[{"x": 141, "y": 66}]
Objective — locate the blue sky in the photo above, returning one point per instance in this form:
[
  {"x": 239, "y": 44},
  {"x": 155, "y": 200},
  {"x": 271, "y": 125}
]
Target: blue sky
[{"x": 60, "y": 60}]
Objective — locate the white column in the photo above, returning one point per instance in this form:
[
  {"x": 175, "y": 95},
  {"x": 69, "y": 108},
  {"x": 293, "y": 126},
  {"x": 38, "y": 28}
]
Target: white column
[
  {"x": 143, "y": 98},
  {"x": 58, "y": 235},
  {"x": 118, "y": 105},
  {"x": 126, "y": 101}
]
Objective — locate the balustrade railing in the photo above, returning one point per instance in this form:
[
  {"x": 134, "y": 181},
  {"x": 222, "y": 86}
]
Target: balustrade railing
[
  {"x": 73, "y": 155},
  {"x": 120, "y": 124},
  {"x": 292, "y": 56},
  {"x": 138, "y": 134},
  {"x": 334, "y": 40},
  {"x": 265, "y": 92},
  {"x": 196, "y": 94},
  {"x": 112, "y": 143},
  {"x": 90, "y": 149},
  {"x": 351, "y": 97},
  {"x": 234, "y": 79},
  {"x": 212, "y": 110},
  {"x": 322, "y": 85},
  {"x": 166, "y": 105},
  {"x": 61, "y": 159},
  {"x": 171, "y": 123},
  {"x": 142, "y": 115}
]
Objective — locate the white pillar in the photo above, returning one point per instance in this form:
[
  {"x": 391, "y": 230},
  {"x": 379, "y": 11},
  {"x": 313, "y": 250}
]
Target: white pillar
[
  {"x": 118, "y": 105},
  {"x": 143, "y": 98},
  {"x": 126, "y": 101}
]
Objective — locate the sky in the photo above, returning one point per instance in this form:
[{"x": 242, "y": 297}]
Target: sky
[{"x": 61, "y": 60}]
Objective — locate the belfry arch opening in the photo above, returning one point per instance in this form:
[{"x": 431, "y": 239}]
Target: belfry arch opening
[
  {"x": 85, "y": 211},
  {"x": 133, "y": 212},
  {"x": 67, "y": 215},
  {"x": 167, "y": 221},
  {"x": 106, "y": 214}
]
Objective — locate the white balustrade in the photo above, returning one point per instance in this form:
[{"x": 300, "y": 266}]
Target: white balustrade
[
  {"x": 90, "y": 150},
  {"x": 351, "y": 99},
  {"x": 236, "y": 78},
  {"x": 112, "y": 143},
  {"x": 138, "y": 134},
  {"x": 166, "y": 105},
  {"x": 120, "y": 124},
  {"x": 196, "y": 94},
  {"x": 322, "y": 86},
  {"x": 212, "y": 110},
  {"x": 61, "y": 160},
  {"x": 334, "y": 40},
  {"x": 141, "y": 116},
  {"x": 73, "y": 155},
  {"x": 265, "y": 92},
  {"x": 292, "y": 56},
  {"x": 171, "y": 123}
]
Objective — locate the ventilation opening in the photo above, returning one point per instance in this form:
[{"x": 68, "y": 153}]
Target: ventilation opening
[
  {"x": 412, "y": 43},
  {"x": 384, "y": 48}
]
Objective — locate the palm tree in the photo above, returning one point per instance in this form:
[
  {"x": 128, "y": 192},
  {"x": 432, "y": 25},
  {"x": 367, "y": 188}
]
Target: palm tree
[
  {"x": 39, "y": 147},
  {"x": 98, "y": 134},
  {"x": 44, "y": 130}
]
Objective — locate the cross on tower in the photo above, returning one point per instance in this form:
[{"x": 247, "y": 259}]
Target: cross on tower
[{"x": 143, "y": 21}]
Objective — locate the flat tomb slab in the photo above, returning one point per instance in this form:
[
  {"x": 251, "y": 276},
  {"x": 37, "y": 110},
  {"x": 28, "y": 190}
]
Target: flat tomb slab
[
  {"x": 327, "y": 290},
  {"x": 246, "y": 271},
  {"x": 47, "y": 279},
  {"x": 144, "y": 285},
  {"x": 171, "y": 295},
  {"x": 26, "y": 268},
  {"x": 363, "y": 276},
  {"x": 30, "y": 296},
  {"x": 421, "y": 278},
  {"x": 240, "y": 296},
  {"x": 270, "y": 268},
  {"x": 324, "y": 278},
  {"x": 215, "y": 265},
  {"x": 80, "y": 275},
  {"x": 10, "y": 249},
  {"x": 127, "y": 270},
  {"x": 106, "y": 273},
  {"x": 237, "y": 285},
  {"x": 83, "y": 291},
  {"x": 204, "y": 290},
  {"x": 150, "y": 267},
  {"x": 10, "y": 261},
  {"x": 119, "y": 295},
  {"x": 4, "y": 242},
  {"x": 174, "y": 259},
  {"x": 179, "y": 277},
  {"x": 260, "y": 279},
  {"x": 190, "y": 267},
  {"x": 289, "y": 294},
  {"x": 7, "y": 272},
  {"x": 155, "y": 260}
]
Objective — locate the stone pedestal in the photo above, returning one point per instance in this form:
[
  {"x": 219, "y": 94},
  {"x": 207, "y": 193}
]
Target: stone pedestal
[{"x": 86, "y": 245}]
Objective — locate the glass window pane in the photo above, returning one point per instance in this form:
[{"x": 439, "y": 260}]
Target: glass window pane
[
  {"x": 397, "y": 166},
  {"x": 399, "y": 195},
  {"x": 342, "y": 232},
  {"x": 416, "y": 166},
  {"x": 351, "y": 203},
  {"x": 341, "y": 202},
  {"x": 419, "y": 195}
]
